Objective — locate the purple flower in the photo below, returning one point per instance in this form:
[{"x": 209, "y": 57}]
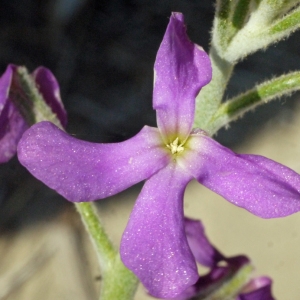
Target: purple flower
[
  {"x": 12, "y": 123},
  {"x": 257, "y": 289},
  {"x": 225, "y": 278},
  {"x": 154, "y": 244}
]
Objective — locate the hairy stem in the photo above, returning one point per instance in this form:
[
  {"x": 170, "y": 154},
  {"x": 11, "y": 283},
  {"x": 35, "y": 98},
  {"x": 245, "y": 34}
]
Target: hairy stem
[
  {"x": 262, "y": 93},
  {"x": 117, "y": 281},
  {"x": 210, "y": 97},
  {"x": 105, "y": 249}
]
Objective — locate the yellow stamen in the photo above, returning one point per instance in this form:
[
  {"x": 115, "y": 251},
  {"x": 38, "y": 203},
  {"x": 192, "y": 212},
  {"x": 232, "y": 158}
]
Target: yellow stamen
[{"x": 174, "y": 147}]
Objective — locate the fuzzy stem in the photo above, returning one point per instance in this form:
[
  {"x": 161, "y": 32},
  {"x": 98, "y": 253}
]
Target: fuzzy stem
[
  {"x": 210, "y": 97},
  {"x": 117, "y": 281},
  {"x": 105, "y": 249},
  {"x": 287, "y": 24},
  {"x": 261, "y": 94},
  {"x": 261, "y": 31}
]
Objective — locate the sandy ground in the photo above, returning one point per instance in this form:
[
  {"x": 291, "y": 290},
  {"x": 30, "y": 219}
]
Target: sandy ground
[{"x": 54, "y": 260}]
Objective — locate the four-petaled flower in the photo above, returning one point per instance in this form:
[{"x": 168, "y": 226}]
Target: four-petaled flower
[
  {"x": 12, "y": 122},
  {"x": 154, "y": 245}
]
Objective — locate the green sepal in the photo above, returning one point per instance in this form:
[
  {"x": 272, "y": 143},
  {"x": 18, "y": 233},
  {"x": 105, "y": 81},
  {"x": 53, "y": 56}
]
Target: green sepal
[
  {"x": 265, "y": 27},
  {"x": 240, "y": 13},
  {"x": 27, "y": 98}
]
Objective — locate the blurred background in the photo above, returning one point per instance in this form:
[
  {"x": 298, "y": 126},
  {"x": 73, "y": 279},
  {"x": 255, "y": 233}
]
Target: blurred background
[{"x": 102, "y": 54}]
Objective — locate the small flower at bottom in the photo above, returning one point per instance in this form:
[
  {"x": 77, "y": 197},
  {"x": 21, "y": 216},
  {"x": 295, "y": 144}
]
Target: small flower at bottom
[
  {"x": 154, "y": 244},
  {"x": 257, "y": 289},
  {"x": 228, "y": 277},
  {"x": 14, "y": 105}
]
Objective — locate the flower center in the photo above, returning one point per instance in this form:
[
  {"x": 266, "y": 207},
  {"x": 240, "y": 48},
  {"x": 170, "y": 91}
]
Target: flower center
[{"x": 174, "y": 147}]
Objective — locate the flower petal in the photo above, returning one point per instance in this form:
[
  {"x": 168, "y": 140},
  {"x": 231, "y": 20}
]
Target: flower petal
[
  {"x": 5, "y": 82},
  {"x": 200, "y": 246},
  {"x": 181, "y": 69},
  {"x": 12, "y": 125},
  {"x": 154, "y": 245},
  {"x": 259, "y": 289},
  {"x": 84, "y": 171},
  {"x": 49, "y": 88},
  {"x": 14, "y": 128},
  {"x": 258, "y": 184}
]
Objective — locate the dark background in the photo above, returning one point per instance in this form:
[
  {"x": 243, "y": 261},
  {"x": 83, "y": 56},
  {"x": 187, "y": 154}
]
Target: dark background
[{"x": 102, "y": 53}]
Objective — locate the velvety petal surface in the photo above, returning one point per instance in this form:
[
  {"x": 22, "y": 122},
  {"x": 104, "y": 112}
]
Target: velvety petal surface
[
  {"x": 258, "y": 289},
  {"x": 84, "y": 171},
  {"x": 12, "y": 125},
  {"x": 258, "y": 184},
  {"x": 181, "y": 69},
  {"x": 154, "y": 245},
  {"x": 49, "y": 88},
  {"x": 202, "y": 249}
]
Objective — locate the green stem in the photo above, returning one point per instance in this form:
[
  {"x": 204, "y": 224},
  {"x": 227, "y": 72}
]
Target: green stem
[
  {"x": 268, "y": 11},
  {"x": 277, "y": 8},
  {"x": 261, "y": 94},
  {"x": 105, "y": 249},
  {"x": 117, "y": 281},
  {"x": 286, "y": 25},
  {"x": 210, "y": 97},
  {"x": 261, "y": 31}
]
